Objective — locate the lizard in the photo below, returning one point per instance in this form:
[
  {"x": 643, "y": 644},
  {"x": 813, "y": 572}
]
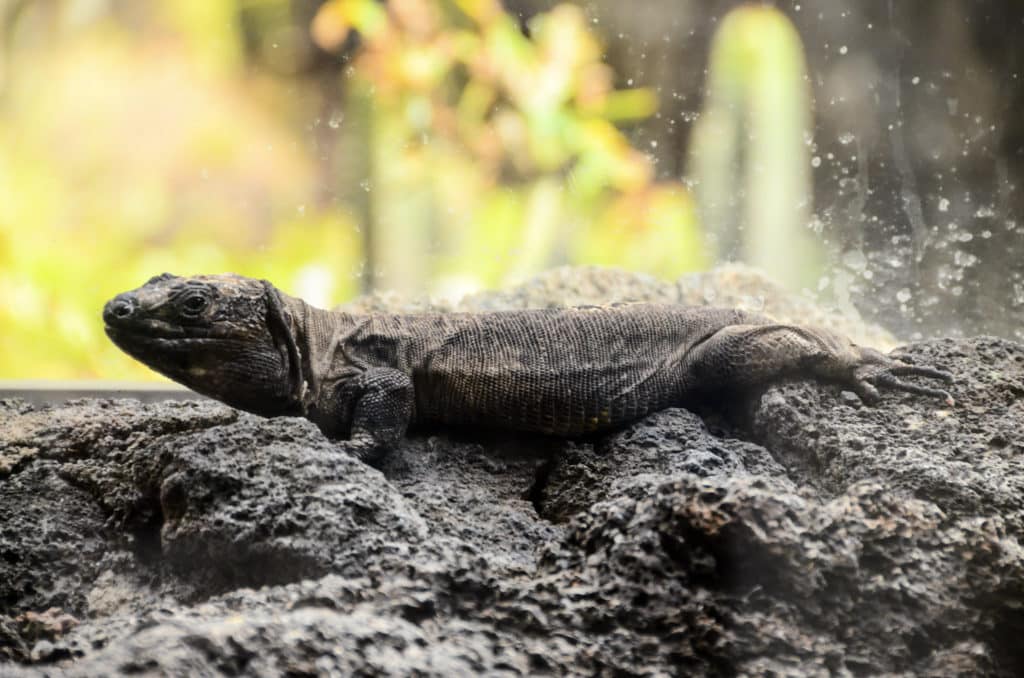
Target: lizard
[{"x": 566, "y": 372}]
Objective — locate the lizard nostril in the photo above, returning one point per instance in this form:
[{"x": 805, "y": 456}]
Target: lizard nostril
[{"x": 120, "y": 308}]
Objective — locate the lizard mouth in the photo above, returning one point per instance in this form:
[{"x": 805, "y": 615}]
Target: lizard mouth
[
  {"x": 151, "y": 329},
  {"x": 161, "y": 346},
  {"x": 173, "y": 353},
  {"x": 145, "y": 329}
]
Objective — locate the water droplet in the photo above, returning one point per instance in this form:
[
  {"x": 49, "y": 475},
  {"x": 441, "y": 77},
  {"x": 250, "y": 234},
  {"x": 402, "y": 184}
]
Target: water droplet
[
  {"x": 961, "y": 258},
  {"x": 903, "y": 296},
  {"x": 943, "y": 204},
  {"x": 1018, "y": 294},
  {"x": 855, "y": 259},
  {"x": 843, "y": 50},
  {"x": 815, "y": 161},
  {"x": 335, "y": 121},
  {"x": 846, "y": 138},
  {"x": 915, "y": 80}
]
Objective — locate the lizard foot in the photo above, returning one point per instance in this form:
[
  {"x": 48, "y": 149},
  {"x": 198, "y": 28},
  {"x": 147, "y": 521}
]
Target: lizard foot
[
  {"x": 365, "y": 448},
  {"x": 879, "y": 370}
]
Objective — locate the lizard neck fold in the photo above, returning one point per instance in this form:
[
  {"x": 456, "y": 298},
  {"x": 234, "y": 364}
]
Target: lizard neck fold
[
  {"x": 281, "y": 323},
  {"x": 318, "y": 334}
]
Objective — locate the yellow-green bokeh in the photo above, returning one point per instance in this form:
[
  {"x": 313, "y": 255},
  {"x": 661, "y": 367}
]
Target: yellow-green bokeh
[{"x": 137, "y": 138}]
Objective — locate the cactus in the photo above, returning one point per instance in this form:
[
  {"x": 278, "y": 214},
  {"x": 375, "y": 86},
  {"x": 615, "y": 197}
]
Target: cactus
[{"x": 749, "y": 158}]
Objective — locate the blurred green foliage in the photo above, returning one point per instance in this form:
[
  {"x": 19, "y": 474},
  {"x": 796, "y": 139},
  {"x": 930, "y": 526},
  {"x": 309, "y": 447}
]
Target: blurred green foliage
[
  {"x": 124, "y": 155},
  {"x": 504, "y": 147},
  {"x": 135, "y": 138}
]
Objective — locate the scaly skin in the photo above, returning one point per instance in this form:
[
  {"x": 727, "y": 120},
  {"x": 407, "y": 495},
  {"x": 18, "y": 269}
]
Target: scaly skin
[{"x": 564, "y": 372}]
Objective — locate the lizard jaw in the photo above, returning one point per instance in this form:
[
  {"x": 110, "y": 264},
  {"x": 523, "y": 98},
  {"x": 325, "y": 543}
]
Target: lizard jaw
[
  {"x": 168, "y": 355},
  {"x": 227, "y": 337}
]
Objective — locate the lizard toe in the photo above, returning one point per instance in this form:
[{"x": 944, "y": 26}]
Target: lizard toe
[
  {"x": 866, "y": 391},
  {"x": 902, "y": 369},
  {"x": 365, "y": 448},
  {"x": 888, "y": 379}
]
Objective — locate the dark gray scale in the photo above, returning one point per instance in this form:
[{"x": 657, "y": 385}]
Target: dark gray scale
[
  {"x": 555, "y": 371},
  {"x": 564, "y": 372}
]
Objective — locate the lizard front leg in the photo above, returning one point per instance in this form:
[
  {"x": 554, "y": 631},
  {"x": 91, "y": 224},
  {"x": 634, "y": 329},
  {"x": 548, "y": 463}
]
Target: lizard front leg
[
  {"x": 373, "y": 407},
  {"x": 745, "y": 356}
]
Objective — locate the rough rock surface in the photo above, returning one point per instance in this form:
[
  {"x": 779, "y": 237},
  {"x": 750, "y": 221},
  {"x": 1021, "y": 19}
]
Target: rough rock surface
[
  {"x": 729, "y": 285},
  {"x": 802, "y": 534}
]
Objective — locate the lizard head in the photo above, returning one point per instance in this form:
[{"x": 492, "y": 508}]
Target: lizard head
[{"x": 225, "y": 336}]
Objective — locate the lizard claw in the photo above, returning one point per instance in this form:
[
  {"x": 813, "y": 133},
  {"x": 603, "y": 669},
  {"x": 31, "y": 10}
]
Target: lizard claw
[
  {"x": 365, "y": 448},
  {"x": 866, "y": 391},
  {"x": 887, "y": 373}
]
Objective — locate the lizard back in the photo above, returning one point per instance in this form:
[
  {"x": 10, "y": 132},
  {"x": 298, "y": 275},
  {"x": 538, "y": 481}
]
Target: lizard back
[{"x": 554, "y": 371}]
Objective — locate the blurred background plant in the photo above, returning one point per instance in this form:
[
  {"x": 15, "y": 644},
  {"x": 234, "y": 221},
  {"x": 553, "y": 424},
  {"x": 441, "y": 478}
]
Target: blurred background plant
[
  {"x": 495, "y": 154},
  {"x": 749, "y": 155},
  {"x": 145, "y": 143},
  {"x": 440, "y": 146}
]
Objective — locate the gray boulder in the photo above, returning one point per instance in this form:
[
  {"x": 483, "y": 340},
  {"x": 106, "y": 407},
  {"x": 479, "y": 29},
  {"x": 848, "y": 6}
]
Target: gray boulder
[{"x": 800, "y": 533}]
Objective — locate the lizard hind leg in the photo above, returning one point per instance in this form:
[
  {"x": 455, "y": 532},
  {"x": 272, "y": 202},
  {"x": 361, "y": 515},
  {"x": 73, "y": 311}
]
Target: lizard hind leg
[{"x": 744, "y": 356}]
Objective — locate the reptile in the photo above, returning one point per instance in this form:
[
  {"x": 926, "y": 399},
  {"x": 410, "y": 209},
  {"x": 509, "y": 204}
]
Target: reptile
[{"x": 565, "y": 372}]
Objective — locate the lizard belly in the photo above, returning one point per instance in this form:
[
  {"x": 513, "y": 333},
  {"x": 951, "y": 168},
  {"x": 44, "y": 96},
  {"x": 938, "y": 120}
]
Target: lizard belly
[{"x": 524, "y": 397}]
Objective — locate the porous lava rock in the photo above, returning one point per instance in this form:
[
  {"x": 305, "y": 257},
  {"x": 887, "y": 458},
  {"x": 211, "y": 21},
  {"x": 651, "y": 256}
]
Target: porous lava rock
[{"x": 798, "y": 533}]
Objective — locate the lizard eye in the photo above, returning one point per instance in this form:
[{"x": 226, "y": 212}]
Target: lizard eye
[{"x": 194, "y": 304}]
